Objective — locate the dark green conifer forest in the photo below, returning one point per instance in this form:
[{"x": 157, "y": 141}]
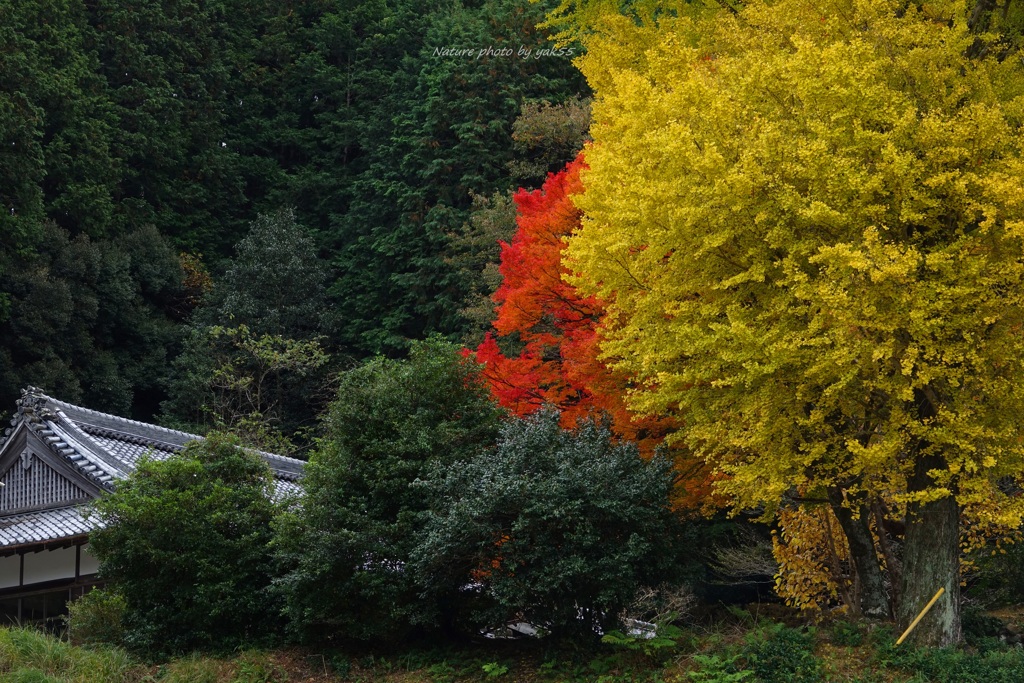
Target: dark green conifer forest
[{"x": 142, "y": 142}]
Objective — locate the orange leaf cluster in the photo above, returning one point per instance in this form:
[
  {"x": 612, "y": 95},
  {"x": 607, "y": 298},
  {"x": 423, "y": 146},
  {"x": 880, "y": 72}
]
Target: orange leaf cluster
[{"x": 557, "y": 326}]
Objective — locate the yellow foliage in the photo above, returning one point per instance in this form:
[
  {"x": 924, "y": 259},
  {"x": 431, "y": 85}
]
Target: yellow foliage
[
  {"x": 577, "y": 19},
  {"x": 814, "y": 560},
  {"x": 808, "y": 221},
  {"x": 987, "y": 526}
]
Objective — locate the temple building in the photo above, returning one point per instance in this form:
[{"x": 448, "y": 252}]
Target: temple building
[{"x": 54, "y": 459}]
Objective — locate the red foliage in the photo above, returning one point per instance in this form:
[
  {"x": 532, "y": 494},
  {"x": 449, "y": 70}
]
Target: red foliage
[
  {"x": 559, "y": 328},
  {"x": 560, "y": 332}
]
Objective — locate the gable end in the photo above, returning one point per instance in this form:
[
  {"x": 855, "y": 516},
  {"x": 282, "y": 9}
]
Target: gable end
[{"x": 34, "y": 478}]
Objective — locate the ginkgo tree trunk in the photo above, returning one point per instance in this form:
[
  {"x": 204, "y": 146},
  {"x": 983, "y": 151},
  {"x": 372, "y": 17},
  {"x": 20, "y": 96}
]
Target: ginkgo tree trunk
[{"x": 807, "y": 223}]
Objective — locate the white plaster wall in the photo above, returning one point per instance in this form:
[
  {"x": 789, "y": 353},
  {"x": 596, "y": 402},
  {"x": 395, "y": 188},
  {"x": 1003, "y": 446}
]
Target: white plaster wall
[
  {"x": 10, "y": 571},
  {"x": 49, "y": 565},
  {"x": 89, "y": 564}
]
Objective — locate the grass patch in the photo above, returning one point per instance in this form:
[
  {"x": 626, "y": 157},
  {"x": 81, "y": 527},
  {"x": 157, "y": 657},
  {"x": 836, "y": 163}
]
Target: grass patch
[
  {"x": 29, "y": 655},
  {"x": 750, "y": 651}
]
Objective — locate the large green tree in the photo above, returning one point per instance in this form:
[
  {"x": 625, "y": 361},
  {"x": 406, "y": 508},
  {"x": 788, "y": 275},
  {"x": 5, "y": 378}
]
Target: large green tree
[
  {"x": 362, "y": 513},
  {"x": 186, "y": 542},
  {"x": 254, "y": 350},
  {"x": 807, "y": 222},
  {"x": 276, "y": 283}
]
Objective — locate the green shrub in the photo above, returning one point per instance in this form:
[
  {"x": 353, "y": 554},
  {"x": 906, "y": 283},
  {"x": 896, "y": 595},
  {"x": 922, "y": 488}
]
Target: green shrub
[
  {"x": 186, "y": 542},
  {"x": 494, "y": 669},
  {"x": 990, "y": 662},
  {"x": 556, "y": 527},
  {"x": 779, "y": 654},
  {"x": 999, "y": 576},
  {"x": 947, "y": 665},
  {"x": 847, "y": 634},
  {"x": 977, "y": 626},
  {"x": 717, "y": 669},
  {"x": 97, "y": 617}
]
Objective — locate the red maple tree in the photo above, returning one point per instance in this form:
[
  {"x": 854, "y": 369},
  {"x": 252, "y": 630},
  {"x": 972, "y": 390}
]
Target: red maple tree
[{"x": 558, "y": 328}]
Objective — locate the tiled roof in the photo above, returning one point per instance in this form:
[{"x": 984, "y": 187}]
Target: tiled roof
[
  {"x": 102, "y": 448},
  {"x": 44, "y": 525},
  {"x": 130, "y": 453},
  {"x": 283, "y": 487}
]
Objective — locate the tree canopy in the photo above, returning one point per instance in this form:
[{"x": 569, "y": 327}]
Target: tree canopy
[
  {"x": 361, "y": 515},
  {"x": 557, "y": 527},
  {"x": 186, "y": 542},
  {"x": 556, "y": 327},
  {"x": 196, "y": 118},
  {"x": 253, "y": 359},
  {"x": 806, "y": 221},
  {"x": 93, "y": 320}
]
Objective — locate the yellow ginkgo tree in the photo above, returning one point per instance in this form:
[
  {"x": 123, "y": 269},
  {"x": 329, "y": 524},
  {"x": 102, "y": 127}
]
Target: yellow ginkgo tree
[{"x": 807, "y": 219}]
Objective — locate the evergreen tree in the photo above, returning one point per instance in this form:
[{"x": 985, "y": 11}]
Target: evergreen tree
[
  {"x": 58, "y": 120},
  {"x": 253, "y": 351},
  {"x": 275, "y": 284},
  {"x": 186, "y": 543},
  {"x": 166, "y": 68},
  {"x": 558, "y": 528},
  {"x": 447, "y": 135},
  {"x": 87, "y": 319}
]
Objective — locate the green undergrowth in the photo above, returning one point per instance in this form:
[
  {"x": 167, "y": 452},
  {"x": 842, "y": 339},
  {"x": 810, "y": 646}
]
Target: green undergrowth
[
  {"x": 31, "y": 656},
  {"x": 731, "y": 651}
]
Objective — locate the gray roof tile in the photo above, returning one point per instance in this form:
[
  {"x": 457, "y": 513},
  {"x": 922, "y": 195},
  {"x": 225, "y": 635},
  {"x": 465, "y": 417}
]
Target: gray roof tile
[{"x": 44, "y": 525}]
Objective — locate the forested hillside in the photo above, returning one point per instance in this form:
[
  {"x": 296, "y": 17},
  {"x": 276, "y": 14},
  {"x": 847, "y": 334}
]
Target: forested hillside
[{"x": 141, "y": 141}]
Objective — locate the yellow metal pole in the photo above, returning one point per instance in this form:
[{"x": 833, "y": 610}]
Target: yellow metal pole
[{"x": 921, "y": 615}]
